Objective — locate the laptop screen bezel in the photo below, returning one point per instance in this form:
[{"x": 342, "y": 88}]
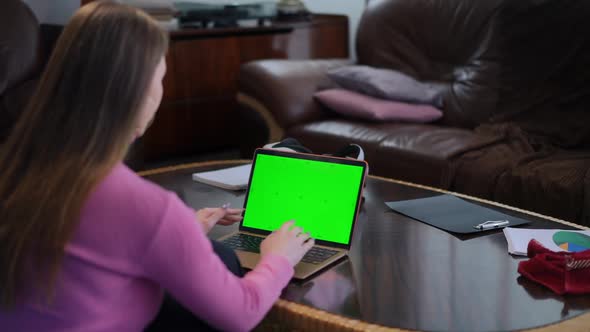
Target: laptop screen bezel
[{"x": 306, "y": 156}]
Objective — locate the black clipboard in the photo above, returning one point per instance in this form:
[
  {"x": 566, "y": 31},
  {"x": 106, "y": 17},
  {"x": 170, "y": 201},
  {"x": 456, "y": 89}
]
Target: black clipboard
[{"x": 451, "y": 213}]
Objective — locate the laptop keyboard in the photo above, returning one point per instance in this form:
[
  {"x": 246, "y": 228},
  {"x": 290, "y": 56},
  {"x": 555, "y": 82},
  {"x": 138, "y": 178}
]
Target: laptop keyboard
[
  {"x": 244, "y": 242},
  {"x": 251, "y": 243}
]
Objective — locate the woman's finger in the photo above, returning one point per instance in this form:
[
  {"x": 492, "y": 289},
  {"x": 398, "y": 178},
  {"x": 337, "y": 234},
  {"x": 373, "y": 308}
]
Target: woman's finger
[
  {"x": 228, "y": 221},
  {"x": 287, "y": 226},
  {"x": 233, "y": 217},
  {"x": 308, "y": 244},
  {"x": 234, "y": 211},
  {"x": 296, "y": 230},
  {"x": 215, "y": 214}
]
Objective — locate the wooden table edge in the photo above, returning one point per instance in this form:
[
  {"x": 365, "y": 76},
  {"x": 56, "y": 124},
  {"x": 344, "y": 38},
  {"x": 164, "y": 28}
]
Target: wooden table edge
[{"x": 313, "y": 319}]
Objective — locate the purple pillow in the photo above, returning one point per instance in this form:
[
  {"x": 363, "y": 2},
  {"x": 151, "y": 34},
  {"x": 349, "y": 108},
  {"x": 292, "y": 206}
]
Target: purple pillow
[
  {"x": 387, "y": 84},
  {"x": 356, "y": 105}
]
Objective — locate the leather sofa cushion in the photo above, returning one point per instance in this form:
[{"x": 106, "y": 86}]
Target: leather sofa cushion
[
  {"x": 331, "y": 135},
  {"x": 423, "y": 153},
  {"x": 411, "y": 152}
]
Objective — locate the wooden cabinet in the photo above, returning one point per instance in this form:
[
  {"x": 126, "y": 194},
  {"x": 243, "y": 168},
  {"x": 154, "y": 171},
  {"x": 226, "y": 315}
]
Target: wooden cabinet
[{"x": 198, "y": 111}]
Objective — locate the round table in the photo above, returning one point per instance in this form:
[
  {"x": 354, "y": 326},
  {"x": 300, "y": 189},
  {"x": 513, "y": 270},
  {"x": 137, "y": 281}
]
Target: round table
[{"x": 403, "y": 274}]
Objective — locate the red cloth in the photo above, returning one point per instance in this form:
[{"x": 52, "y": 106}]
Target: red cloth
[{"x": 562, "y": 272}]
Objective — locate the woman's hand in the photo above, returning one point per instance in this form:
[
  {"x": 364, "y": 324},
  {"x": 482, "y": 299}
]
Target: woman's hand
[
  {"x": 209, "y": 217},
  {"x": 288, "y": 241}
]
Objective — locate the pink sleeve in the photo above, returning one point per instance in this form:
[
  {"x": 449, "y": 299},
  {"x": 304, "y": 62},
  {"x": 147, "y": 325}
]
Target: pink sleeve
[{"x": 182, "y": 261}]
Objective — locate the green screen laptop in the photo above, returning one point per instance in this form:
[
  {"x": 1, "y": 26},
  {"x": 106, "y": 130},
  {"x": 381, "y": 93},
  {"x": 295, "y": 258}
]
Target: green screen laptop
[{"x": 321, "y": 193}]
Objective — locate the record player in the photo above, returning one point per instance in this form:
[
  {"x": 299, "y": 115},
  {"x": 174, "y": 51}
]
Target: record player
[{"x": 224, "y": 13}]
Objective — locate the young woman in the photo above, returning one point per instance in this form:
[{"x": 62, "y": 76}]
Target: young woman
[{"x": 86, "y": 244}]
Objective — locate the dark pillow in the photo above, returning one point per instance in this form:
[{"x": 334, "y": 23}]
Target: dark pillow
[
  {"x": 356, "y": 105},
  {"x": 386, "y": 84}
]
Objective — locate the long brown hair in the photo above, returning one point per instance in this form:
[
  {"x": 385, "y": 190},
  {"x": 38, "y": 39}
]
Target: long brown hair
[{"x": 77, "y": 126}]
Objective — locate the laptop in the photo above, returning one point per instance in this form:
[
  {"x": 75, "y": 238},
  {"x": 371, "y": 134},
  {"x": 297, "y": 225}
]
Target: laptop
[{"x": 321, "y": 193}]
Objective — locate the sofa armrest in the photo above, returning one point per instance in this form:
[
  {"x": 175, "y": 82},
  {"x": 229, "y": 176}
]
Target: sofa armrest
[{"x": 285, "y": 87}]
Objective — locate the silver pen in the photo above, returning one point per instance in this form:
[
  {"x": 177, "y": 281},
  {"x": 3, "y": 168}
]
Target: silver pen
[{"x": 490, "y": 224}]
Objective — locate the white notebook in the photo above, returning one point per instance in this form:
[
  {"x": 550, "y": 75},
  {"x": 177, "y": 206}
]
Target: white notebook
[
  {"x": 553, "y": 239},
  {"x": 233, "y": 178}
]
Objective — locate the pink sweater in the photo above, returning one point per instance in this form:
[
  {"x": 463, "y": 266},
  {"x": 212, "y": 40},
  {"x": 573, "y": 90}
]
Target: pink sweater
[{"x": 134, "y": 240}]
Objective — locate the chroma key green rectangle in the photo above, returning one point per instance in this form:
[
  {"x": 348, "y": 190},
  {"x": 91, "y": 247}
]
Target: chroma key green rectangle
[{"x": 321, "y": 194}]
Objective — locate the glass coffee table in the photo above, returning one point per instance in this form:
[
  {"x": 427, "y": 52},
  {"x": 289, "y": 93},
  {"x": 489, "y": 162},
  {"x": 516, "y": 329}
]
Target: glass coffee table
[{"x": 403, "y": 274}]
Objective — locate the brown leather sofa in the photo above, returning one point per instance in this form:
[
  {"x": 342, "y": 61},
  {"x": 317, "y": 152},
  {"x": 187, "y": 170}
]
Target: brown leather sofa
[{"x": 516, "y": 101}]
